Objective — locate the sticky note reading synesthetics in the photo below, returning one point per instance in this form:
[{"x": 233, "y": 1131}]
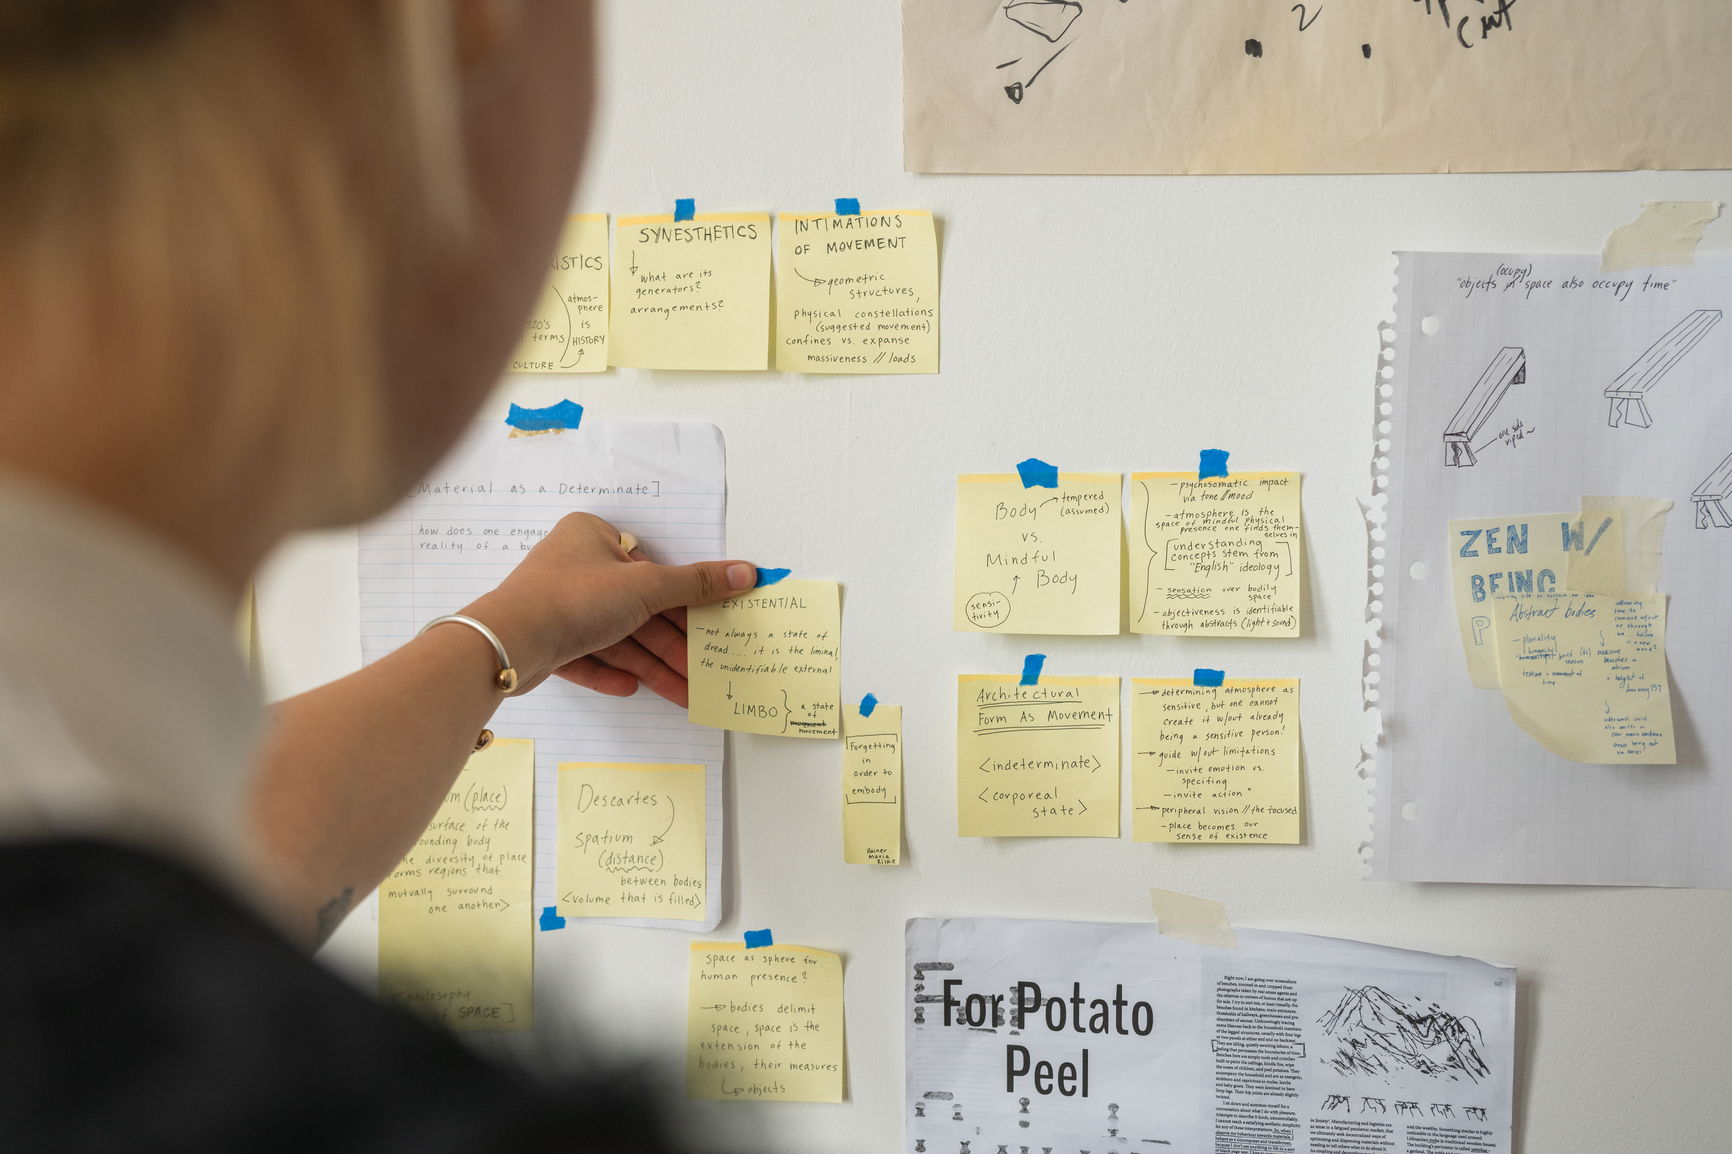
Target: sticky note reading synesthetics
[
  {"x": 767, "y": 661},
  {"x": 567, "y": 332},
  {"x": 693, "y": 294},
  {"x": 764, "y": 1024},
  {"x": 1037, "y": 760},
  {"x": 872, "y": 786},
  {"x": 1038, "y": 560},
  {"x": 632, "y": 841},
  {"x": 858, "y": 293}
]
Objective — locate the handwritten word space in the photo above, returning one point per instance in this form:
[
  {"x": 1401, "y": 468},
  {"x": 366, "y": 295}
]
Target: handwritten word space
[
  {"x": 1220, "y": 556},
  {"x": 1215, "y": 763},
  {"x": 857, "y": 294},
  {"x": 764, "y": 1024},
  {"x": 767, "y": 661},
  {"x": 1038, "y": 560},
  {"x": 1037, "y": 760},
  {"x": 455, "y": 939},
  {"x": 692, "y": 295},
  {"x": 872, "y": 786},
  {"x": 567, "y": 332},
  {"x": 631, "y": 841}
]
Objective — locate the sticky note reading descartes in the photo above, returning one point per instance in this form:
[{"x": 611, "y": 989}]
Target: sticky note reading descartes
[
  {"x": 856, "y": 294},
  {"x": 631, "y": 841},
  {"x": 764, "y": 1024},
  {"x": 767, "y": 660},
  {"x": 872, "y": 786},
  {"x": 693, "y": 294},
  {"x": 455, "y": 935},
  {"x": 1215, "y": 556},
  {"x": 567, "y": 332},
  {"x": 1037, "y": 760},
  {"x": 1215, "y": 763},
  {"x": 1037, "y": 560}
]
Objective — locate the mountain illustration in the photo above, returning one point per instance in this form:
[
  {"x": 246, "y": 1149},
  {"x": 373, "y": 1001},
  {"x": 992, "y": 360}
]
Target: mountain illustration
[{"x": 1378, "y": 1034}]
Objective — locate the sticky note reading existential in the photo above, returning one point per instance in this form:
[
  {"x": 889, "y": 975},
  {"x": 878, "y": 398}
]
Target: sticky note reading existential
[
  {"x": 1586, "y": 675},
  {"x": 1216, "y": 763},
  {"x": 567, "y": 332},
  {"x": 857, "y": 294},
  {"x": 1038, "y": 560},
  {"x": 693, "y": 294},
  {"x": 1037, "y": 760},
  {"x": 1219, "y": 556},
  {"x": 631, "y": 841},
  {"x": 455, "y": 931},
  {"x": 872, "y": 786},
  {"x": 767, "y": 660},
  {"x": 764, "y": 1024}
]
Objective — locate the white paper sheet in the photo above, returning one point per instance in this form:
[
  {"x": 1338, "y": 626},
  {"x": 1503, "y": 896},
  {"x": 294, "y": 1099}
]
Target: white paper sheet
[
  {"x": 464, "y": 528},
  {"x": 1288, "y": 1042}
]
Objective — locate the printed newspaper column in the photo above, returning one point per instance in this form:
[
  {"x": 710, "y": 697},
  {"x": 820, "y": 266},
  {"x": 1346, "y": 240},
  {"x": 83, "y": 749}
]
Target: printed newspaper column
[
  {"x": 1038, "y": 560},
  {"x": 631, "y": 841},
  {"x": 764, "y": 1024},
  {"x": 857, "y": 294},
  {"x": 455, "y": 940},
  {"x": 767, "y": 660},
  {"x": 567, "y": 332},
  {"x": 872, "y": 786},
  {"x": 1037, "y": 760},
  {"x": 693, "y": 294},
  {"x": 1215, "y": 763}
]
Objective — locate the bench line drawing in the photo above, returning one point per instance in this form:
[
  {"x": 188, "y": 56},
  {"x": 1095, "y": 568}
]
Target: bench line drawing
[
  {"x": 1508, "y": 369},
  {"x": 1628, "y": 393},
  {"x": 1710, "y": 495}
]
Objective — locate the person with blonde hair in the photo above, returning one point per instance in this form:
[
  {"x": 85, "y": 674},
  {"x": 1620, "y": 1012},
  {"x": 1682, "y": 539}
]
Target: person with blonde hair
[{"x": 260, "y": 262}]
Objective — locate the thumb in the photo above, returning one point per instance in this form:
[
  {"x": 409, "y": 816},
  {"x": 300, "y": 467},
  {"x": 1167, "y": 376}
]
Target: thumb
[{"x": 703, "y": 583}]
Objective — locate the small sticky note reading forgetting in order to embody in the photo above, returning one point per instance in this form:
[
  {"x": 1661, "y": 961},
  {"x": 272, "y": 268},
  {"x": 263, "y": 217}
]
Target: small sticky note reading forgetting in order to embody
[
  {"x": 767, "y": 660},
  {"x": 1037, "y": 559},
  {"x": 567, "y": 332},
  {"x": 631, "y": 841},
  {"x": 857, "y": 293},
  {"x": 1037, "y": 760},
  {"x": 872, "y": 785},
  {"x": 693, "y": 294},
  {"x": 764, "y": 1024}
]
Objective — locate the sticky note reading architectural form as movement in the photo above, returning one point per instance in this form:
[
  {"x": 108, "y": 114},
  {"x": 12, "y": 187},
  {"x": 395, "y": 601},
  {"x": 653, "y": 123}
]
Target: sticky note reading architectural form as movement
[
  {"x": 693, "y": 294},
  {"x": 1219, "y": 556},
  {"x": 857, "y": 294},
  {"x": 1037, "y": 760},
  {"x": 1216, "y": 763},
  {"x": 631, "y": 841},
  {"x": 455, "y": 931},
  {"x": 567, "y": 332},
  {"x": 766, "y": 661},
  {"x": 872, "y": 786},
  {"x": 1038, "y": 560},
  {"x": 764, "y": 1024}
]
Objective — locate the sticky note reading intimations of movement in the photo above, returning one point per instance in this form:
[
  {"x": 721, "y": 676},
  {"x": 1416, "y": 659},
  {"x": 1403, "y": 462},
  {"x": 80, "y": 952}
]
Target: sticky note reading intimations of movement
[
  {"x": 1038, "y": 560},
  {"x": 872, "y": 786},
  {"x": 1037, "y": 760},
  {"x": 631, "y": 841},
  {"x": 455, "y": 932},
  {"x": 1586, "y": 674},
  {"x": 1220, "y": 556},
  {"x": 1217, "y": 763},
  {"x": 857, "y": 294},
  {"x": 766, "y": 661},
  {"x": 692, "y": 295},
  {"x": 764, "y": 1024},
  {"x": 567, "y": 332}
]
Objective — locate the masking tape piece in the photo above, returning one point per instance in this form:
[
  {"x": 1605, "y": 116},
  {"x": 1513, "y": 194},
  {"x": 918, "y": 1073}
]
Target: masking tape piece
[
  {"x": 1641, "y": 525},
  {"x": 1207, "y": 678},
  {"x": 770, "y": 576},
  {"x": 1664, "y": 236},
  {"x": 868, "y": 704},
  {"x": 758, "y": 939},
  {"x": 1192, "y": 919},
  {"x": 550, "y": 919},
  {"x": 1031, "y": 667},
  {"x": 1211, "y": 463},
  {"x": 1037, "y": 474},
  {"x": 555, "y": 417},
  {"x": 847, "y": 206},
  {"x": 685, "y": 208}
]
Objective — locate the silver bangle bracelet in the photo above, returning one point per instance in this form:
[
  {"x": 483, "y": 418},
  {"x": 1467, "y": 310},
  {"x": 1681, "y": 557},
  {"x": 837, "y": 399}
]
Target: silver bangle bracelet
[{"x": 506, "y": 679}]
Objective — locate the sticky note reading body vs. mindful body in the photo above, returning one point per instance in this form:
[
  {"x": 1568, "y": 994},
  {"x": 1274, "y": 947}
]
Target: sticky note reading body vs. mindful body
[
  {"x": 1037, "y": 760},
  {"x": 872, "y": 786},
  {"x": 567, "y": 332},
  {"x": 455, "y": 937},
  {"x": 693, "y": 294},
  {"x": 764, "y": 1024},
  {"x": 631, "y": 841},
  {"x": 766, "y": 661},
  {"x": 857, "y": 294},
  {"x": 1037, "y": 560}
]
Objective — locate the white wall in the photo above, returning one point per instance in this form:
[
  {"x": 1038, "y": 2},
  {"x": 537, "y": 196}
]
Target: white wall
[{"x": 1101, "y": 324}]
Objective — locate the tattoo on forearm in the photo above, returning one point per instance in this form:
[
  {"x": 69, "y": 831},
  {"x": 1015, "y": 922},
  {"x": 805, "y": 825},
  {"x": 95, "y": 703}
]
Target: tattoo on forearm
[{"x": 330, "y": 915}]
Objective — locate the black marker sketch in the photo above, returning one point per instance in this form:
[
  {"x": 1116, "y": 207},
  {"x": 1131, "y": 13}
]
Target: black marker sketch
[
  {"x": 1378, "y": 1035},
  {"x": 1338, "y": 1102},
  {"x": 1411, "y": 1108},
  {"x": 1442, "y": 1110},
  {"x": 1507, "y": 370},
  {"x": 1305, "y": 23},
  {"x": 1710, "y": 496},
  {"x": 920, "y": 1146},
  {"x": 1372, "y": 1106},
  {"x": 1254, "y": 49},
  {"x": 1627, "y": 393},
  {"x": 1477, "y": 1113},
  {"x": 1051, "y": 20}
]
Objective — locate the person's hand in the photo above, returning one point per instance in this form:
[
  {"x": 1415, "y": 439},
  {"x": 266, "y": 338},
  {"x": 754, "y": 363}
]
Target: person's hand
[{"x": 581, "y": 607}]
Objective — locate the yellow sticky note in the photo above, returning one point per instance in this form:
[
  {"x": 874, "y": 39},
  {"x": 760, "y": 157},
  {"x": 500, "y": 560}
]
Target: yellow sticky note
[
  {"x": 857, "y": 294},
  {"x": 764, "y": 1024},
  {"x": 692, "y": 295},
  {"x": 1038, "y": 560},
  {"x": 632, "y": 841},
  {"x": 455, "y": 935},
  {"x": 872, "y": 786},
  {"x": 1220, "y": 556},
  {"x": 567, "y": 332},
  {"x": 1215, "y": 763},
  {"x": 1586, "y": 675},
  {"x": 1037, "y": 760},
  {"x": 767, "y": 660}
]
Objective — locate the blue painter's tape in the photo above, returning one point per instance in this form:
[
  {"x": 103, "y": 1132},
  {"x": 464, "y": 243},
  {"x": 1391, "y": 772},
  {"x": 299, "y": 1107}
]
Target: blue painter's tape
[
  {"x": 550, "y": 919},
  {"x": 1031, "y": 667},
  {"x": 771, "y": 576},
  {"x": 1036, "y": 473},
  {"x": 685, "y": 208},
  {"x": 847, "y": 206},
  {"x": 1207, "y": 677},
  {"x": 867, "y": 705},
  {"x": 758, "y": 939},
  {"x": 564, "y": 415},
  {"x": 1211, "y": 463}
]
